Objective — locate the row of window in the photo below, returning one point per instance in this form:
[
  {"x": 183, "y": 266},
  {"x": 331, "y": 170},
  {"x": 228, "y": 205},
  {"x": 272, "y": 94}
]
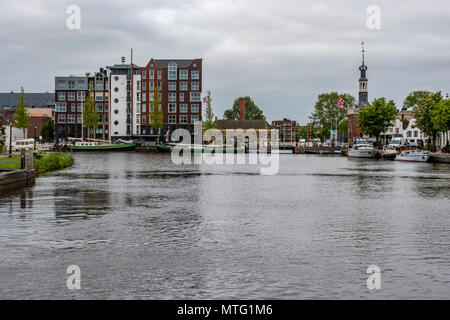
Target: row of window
[
  {"x": 142, "y": 119},
  {"x": 71, "y": 84},
  {"x": 79, "y": 118},
  {"x": 172, "y": 97},
  {"x": 70, "y": 96},
  {"x": 184, "y": 85},
  {"x": 172, "y": 74},
  {"x": 78, "y": 107}
]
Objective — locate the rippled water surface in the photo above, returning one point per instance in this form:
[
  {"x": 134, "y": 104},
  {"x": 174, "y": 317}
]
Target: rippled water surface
[{"x": 139, "y": 226}]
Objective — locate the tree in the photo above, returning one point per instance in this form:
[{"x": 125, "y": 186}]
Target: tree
[
  {"x": 209, "y": 115},
  {"x": 441, "y": 116},
  {"x": 375, "y": 118},
  {"x": 423, "y": 112},
  {"x": 156, "y": 115},
  {"x": 326, "y": 113},
  {"x": 90, "y": 114},
  {"x": 22, "y": 117},
  {"x": 411, "y": 100},
  {"x": 48, "y": 130},
  {"x": 343, "y": 128},
  {"x": 252, "y": 112}
]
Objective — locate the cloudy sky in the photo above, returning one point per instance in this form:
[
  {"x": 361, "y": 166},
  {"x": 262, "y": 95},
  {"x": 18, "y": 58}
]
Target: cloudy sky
[{"x": 281, "y": 53}]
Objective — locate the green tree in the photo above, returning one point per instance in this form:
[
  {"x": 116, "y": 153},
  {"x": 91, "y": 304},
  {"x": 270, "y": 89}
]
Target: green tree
[
  {"x": 209, "y": 115},
  {"x": 441, "y": 116},
  {"x": 48, "y": 130},
  {"x": 411, "y": 100},
  {"x": 156, "y": 114},
  {"x": 423, "y": 112},
  {"x": 252, "y": 112},
  {"x": 90, "y": 114},
  {"x": 343, "y": 128},
  {"x": 376, "y": 117},
  {"x": 326, "y": 113},
  {"x": 22, "y": 117}
]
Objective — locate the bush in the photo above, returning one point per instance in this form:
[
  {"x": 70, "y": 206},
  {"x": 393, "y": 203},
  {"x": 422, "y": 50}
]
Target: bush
[{"x": 45, "y": 162}]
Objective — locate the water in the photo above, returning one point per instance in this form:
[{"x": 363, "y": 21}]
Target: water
[{"x": 140, "y": 227}]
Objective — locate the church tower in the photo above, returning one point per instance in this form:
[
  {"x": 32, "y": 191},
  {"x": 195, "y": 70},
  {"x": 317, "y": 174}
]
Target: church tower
[{"x": 363, "y": 90}]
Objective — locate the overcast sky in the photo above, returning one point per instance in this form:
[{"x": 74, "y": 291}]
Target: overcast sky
[{"x": 281, "y": 53}]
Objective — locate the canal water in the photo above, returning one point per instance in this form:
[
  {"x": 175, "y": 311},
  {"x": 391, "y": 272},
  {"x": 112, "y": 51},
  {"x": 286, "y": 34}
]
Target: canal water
[{"x": 141, "y": 227}]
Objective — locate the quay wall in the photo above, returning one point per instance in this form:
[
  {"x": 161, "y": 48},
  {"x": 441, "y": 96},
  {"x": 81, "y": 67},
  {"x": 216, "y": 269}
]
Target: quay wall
[{"x": 10, "y": 179}]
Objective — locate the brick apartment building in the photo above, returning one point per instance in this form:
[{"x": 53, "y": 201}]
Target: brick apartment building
[{"x": 287, "y": 129}]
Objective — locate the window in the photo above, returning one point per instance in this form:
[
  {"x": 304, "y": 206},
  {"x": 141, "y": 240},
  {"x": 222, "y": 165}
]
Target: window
[
  {"x": 172, "y": 69},
  {"x": 144, "y": 74},
  {"x": 144, "y": 108},
  {"x": 151, "y": 85},
  {"x": 181, "y": 96},
  {"x": 71, "y": 118},
  {"x": 172, "y": 118},
  {"x": 99, "y": 86},
  {"x": 81, "y": 84},
  {"x": 416, "y": 134},
  {"x": 60, "y": 107},
  {"x": 183, "y": 85},
  {"x": 183, "y": 74},
  {"x": 172, "y": 96},
  {"x": 73, "y": 107},
  {"x": 195, "y": 96},
  {"x": 194, "y": 118},
  {"x": 195, "y": 86},
  {"x": 80, "y": 107},
  {"x": 144, "y": 85},
  {"x": 172, "y": 85},
  {"x": 138, "y": 119},
  {"x": 61, "y": 118},
  {"x": 138, "y": 107},
  {"x": 408, "y": 134},
  {"x": 194, "y": 108},
  {"x": 144, "y": 118},
  {"x": 150, "y": 107},
  {"x": 183, "y": 107},
  {"x": 195, "y": 74},
  {"x": 152, "y": 74},
  {"x": 71, "y": 96},
  {"x": 99, "y": 107},
  {"x": 61, "y": 96},
  {"x": 144, "y": 96},
  {"x": 79, "y": 118},
  {"x": 172, "y": 107},
  {"x": 138, "y": 97},
  {"x": 183, "y": 118},
  {"x": 159, "y": 75},
  {"x": 81, "y": 95},
  {"x": 138, "y": 85},
  {"x": 71, "y": 84},
  {"x": 61, "y": 84},
  {"x": 98, "y": 98}
]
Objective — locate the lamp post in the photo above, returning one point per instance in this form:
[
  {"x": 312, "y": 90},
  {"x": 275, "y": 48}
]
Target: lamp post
[
  {"x": 10, "y": 122},
  {"x": 35, "y": 127}
]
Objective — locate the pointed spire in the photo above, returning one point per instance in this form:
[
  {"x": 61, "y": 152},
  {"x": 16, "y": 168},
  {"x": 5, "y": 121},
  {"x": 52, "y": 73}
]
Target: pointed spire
[{"x": 362, "y": 50}]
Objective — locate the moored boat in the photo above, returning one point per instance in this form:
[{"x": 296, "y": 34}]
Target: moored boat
[
  {"x": 92, "y": 145},
  {"x": 362, "y": 149},
  {"x": 413, "y": 154},
  {"x": 198, "y": 148}
]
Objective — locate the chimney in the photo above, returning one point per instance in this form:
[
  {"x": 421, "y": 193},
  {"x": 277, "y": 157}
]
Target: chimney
[{"x": 242, "y": 109}]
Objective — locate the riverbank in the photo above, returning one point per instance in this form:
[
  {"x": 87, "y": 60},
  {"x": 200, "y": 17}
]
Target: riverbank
[{"x": 45, "y": 162}]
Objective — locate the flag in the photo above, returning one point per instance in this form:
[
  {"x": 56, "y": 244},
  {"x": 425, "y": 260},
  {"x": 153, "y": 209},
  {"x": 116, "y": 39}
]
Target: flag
[
  {"x": 167, "y": 135},
  {"x": 340, "y": 103},
  {"x": 204, "y": 99}
]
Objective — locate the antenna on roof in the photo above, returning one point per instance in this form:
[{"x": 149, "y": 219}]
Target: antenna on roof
[
  {"x": 123, "y": 60},
  {"x": 131, "y": 56}
]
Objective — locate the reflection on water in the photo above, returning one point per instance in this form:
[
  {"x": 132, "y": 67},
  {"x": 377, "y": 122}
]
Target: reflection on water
[{"x": 140, "y": 227}]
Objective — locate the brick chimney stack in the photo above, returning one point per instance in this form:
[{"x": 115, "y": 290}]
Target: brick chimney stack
[{"x": 242, "y": 109}]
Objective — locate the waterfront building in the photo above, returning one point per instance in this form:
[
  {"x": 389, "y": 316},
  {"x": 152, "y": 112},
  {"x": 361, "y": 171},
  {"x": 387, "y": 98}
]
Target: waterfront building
[
  {"x": 38, "y": 117},
  {"x": 70, "y": 97},
  {"x": 353, "y": 129},
  {"x": 179, "y": 82},
  {"x": 9, "y": 100},
  {"x": 287, "y": 129},
  {"x": 404, "y": 127}
]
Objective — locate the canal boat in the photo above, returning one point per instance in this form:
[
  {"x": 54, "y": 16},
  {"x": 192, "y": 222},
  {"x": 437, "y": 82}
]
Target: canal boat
[
  {"x": 362, "y": 149},
  {"x": 94, "y": 145},
  {"x": 412, "y": 153}
]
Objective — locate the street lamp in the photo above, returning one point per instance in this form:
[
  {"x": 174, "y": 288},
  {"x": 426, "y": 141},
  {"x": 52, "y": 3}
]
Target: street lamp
[
  {"x": 10, "y": 122},
  {"x": 35, "y": 127}
]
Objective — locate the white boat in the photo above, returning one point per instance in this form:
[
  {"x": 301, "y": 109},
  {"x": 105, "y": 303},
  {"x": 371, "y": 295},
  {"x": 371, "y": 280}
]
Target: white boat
[
  {"x": 413, "y": 155},
  {"x": 362, "y": 149}
]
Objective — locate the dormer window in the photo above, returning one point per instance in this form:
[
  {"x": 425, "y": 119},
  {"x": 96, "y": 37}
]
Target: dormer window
[{"x": 172, "y": 68}]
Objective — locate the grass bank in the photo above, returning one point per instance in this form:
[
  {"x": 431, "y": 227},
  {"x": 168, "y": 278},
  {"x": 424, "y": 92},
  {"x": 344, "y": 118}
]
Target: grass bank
[{"x": 43, "y": 162}]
